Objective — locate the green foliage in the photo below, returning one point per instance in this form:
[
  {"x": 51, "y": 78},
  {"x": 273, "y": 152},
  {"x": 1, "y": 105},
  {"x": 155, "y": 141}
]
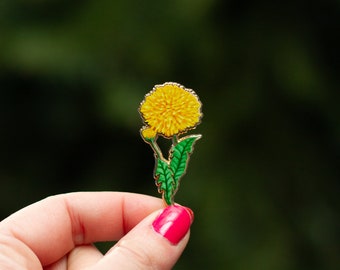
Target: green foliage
[
  {"x": 179, "y": 156},
  {"x": 164, "y": 180},
  {"x": 169, "y": 173}
]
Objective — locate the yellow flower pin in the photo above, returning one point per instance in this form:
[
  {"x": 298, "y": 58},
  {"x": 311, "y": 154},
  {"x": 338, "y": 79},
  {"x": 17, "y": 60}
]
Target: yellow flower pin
[{"x": 169, "y": 110}]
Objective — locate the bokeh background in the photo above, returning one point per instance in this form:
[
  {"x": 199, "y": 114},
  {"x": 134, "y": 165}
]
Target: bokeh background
[{"x": 264, "y": 179}]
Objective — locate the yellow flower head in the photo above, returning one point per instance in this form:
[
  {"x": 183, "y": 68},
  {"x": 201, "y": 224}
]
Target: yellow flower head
[
  {"x": 148, "y": 133},
  {"x": 171, "y": 109}
]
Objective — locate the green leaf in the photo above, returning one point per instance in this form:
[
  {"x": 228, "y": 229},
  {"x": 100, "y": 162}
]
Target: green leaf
[
  {"x": 179, "y": 156},
  {"x": 164, "y": 180}
]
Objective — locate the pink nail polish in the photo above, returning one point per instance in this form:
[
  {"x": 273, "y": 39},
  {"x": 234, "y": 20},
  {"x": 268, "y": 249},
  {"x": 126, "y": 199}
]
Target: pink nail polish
[{"x": 173, "y": 223}]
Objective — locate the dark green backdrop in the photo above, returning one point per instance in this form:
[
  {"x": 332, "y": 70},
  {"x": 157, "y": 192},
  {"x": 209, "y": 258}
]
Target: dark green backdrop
[{"x": 264, "y": 179}]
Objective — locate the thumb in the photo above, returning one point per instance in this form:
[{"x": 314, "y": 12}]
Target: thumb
[{"x": 155, "y": 243}]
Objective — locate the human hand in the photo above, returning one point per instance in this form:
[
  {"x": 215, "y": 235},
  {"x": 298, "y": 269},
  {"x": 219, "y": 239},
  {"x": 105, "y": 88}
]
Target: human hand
[{"x": 57, "y": 233}]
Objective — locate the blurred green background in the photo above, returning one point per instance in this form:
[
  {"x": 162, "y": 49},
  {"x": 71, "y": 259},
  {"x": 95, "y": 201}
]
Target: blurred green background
[{"x": 264, "y": 179}]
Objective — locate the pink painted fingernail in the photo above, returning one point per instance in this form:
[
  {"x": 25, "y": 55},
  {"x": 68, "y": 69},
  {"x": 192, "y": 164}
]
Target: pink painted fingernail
[{"x": 173, "y": 223}]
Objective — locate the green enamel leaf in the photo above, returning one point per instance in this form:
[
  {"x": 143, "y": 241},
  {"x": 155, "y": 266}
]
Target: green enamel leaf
[
  {"x": 179, "y": 156},
  {"x": 164, "y": 180}
]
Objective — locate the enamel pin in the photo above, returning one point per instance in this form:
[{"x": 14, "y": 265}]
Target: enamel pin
[{"x": 170, "y": 110}]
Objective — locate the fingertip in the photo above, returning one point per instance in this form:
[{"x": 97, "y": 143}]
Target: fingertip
[
  {"x": 155, "y": 243},
  {"x": 173, "y": 223}
]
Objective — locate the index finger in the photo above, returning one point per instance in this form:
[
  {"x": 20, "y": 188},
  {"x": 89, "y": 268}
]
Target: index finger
[{"x": 55, "y": 225}]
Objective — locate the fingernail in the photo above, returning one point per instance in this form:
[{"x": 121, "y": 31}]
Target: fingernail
[{"x": 173, "y": 223}]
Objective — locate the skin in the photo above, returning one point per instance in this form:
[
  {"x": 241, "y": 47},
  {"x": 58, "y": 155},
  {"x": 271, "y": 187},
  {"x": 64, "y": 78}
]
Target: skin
[{"x": 57, "y": 233}]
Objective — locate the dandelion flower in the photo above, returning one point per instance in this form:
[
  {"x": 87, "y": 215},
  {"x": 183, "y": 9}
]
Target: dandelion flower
[
  {"x": 148, "y": 133},
  {"x": 170, "y": 109}
]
